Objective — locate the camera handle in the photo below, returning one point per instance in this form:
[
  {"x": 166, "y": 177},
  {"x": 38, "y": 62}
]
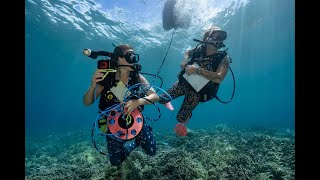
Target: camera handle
[
  {"x": 95, "y": 54},
  {"x": 107, "y": 71}
]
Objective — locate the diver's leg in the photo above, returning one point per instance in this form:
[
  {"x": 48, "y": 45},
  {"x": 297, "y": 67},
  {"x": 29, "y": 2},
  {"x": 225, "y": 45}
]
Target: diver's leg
[
  {"x": 176, "y": 90},
  {"x": 189, "y": 103},
  {"x": 118, "y": 150},
  {"x": 146, "y": 140}
]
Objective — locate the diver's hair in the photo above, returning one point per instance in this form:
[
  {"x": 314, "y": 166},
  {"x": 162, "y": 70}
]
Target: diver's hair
[
  {"x": 206, "y": 34},
  {"x": 120, "y": 49},
  {"x": 209, "y": 31}
]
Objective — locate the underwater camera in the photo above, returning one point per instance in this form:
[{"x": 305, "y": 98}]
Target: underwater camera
[{"x": 107, "y": 66}]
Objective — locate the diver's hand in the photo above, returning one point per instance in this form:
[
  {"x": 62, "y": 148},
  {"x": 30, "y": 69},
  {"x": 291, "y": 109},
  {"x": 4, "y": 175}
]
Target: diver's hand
[
  {"x": 96, "y": 77},
  {"x": 131, "y": 105},
  {"x": 191, "y": 69},
  {"x": 183, "y": 64}
]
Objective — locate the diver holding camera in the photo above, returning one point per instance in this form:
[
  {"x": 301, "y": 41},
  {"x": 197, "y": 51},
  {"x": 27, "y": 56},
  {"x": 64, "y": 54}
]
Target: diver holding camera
[{"x": 111, "y": 81}]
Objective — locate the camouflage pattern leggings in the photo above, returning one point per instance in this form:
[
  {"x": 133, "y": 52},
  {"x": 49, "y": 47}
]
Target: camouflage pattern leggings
[{"x": 190, "y": 101}]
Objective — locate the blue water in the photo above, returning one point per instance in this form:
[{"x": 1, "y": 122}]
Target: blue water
[{"x": 261, "y": 38}]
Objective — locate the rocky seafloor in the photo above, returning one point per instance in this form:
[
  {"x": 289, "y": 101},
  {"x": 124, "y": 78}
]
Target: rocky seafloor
[{"x": 218, "y": 153}]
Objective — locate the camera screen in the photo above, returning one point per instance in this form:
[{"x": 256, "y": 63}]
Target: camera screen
[{"x": 104, "y": 64}]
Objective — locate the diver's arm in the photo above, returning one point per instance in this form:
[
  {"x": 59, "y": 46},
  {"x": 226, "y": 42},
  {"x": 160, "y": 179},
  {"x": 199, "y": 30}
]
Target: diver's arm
[
  {"x": 219, "y": 75},
  {"x": 185, "y": 59},
  {"x": 88, "y": 97},
  {"x": 151, "y": 94},
  {"x": 134, "y": 103}
]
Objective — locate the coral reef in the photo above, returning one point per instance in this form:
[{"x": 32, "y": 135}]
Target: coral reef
[{"x": 217, "y": 153}]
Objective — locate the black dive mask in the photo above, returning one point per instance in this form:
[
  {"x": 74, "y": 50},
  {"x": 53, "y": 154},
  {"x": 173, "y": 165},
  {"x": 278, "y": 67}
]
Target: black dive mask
[
  {"x": 217, "y": 44},
  {"x": 131, "y": 57},
  {"x": 218, "y": 35},
  {"x": 214, "y": 42}
]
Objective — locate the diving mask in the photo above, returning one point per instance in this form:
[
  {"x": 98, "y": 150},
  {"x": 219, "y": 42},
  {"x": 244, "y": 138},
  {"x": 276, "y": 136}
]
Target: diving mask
[{"x": 131, "y": 57}]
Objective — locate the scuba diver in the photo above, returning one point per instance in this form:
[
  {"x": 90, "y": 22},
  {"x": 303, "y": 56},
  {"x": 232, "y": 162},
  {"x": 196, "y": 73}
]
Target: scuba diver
[
  {"x": 123, "y": 123},
  {"x": 203, "y": 69}
]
